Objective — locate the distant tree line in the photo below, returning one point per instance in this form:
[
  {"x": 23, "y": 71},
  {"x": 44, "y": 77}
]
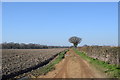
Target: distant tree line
[{"x": 13, "y": 45}]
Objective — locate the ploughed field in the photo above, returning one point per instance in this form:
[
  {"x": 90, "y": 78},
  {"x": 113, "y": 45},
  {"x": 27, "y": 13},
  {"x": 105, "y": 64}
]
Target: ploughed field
[{"x": 15, "y": 60}]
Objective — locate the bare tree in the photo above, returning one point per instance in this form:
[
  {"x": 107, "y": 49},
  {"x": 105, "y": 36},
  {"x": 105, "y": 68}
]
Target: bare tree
[
  {"x": 13, "y": 45},
  {"x": 75, "y": 40}
]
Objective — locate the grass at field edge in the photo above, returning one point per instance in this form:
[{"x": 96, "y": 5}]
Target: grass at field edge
[
  {"x": 51, "y": 65},
  {"x": 111, "y": 70}
]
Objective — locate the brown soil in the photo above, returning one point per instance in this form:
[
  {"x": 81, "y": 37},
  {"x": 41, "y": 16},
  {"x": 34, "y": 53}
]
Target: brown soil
[{"x": 73, "y": 66}]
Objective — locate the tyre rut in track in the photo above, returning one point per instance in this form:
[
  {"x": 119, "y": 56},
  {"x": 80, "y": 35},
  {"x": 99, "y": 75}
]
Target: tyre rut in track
[{"x": 73, "y": 66}]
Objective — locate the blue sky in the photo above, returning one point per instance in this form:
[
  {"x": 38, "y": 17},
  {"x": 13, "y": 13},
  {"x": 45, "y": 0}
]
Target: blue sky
[{"x": 54, "y": 23}]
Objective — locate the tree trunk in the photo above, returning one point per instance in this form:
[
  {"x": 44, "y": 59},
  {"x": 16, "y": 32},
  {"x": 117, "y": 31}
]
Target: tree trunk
[{"x": 75, "y": 45}]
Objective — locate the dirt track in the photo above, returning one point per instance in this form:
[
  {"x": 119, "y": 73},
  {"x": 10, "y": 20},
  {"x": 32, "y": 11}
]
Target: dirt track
[{"x": 73, "y": 66}]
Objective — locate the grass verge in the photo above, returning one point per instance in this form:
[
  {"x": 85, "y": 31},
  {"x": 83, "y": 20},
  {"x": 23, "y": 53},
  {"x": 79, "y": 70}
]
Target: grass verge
[
  {"x": 111, "y": 70},
  {"x": 51, "y": 66}
]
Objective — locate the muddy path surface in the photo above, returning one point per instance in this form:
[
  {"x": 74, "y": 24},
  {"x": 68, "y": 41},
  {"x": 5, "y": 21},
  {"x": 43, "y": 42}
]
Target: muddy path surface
[{"x": 73, "y": 66}]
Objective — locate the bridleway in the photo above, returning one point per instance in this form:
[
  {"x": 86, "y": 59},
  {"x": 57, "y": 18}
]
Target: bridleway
[{"x": 73, "y": 66}]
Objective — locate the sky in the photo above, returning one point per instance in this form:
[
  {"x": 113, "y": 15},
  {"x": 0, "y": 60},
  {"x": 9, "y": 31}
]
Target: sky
[
  {"x": 53, "y": 23},
  {"x": 60, "y": 0}
]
